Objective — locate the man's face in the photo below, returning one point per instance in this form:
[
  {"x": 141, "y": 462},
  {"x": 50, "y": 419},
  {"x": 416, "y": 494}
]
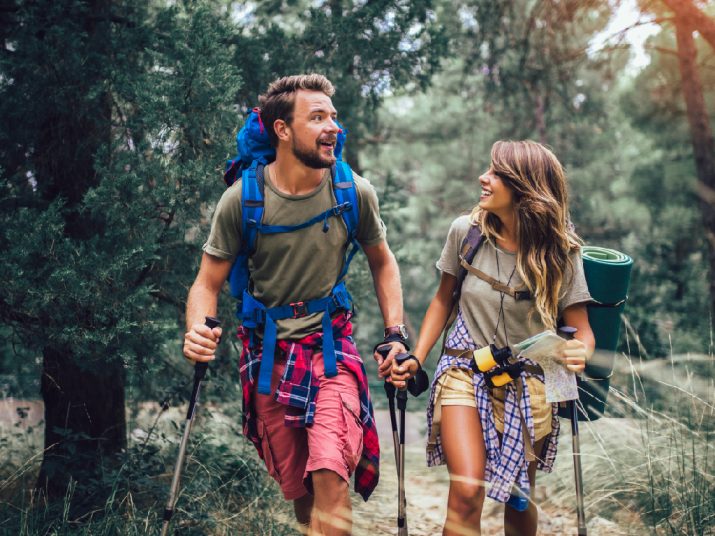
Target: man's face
[{"x": 314, "y": 132}]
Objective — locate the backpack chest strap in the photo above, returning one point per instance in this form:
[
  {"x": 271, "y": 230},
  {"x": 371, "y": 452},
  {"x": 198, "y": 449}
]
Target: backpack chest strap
[{"x": 517, "y": 294}]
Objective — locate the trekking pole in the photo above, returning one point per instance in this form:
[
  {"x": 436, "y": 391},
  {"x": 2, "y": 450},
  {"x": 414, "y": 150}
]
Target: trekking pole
[
  {"x": 401, "y": 500},
  {"x": 567, "y": 332},
  {"x": 398, "y": 441},
  {"x": 390, "y": 392},
  {"x": 199, "y": 373},
  {"x": 416, "y": 386}
]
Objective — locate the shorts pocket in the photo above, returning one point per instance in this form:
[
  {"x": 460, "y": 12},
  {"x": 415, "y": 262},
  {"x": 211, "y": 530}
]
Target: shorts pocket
[
  {"x": 268, "y": 457},
  {"x": 352, "y": 450}
]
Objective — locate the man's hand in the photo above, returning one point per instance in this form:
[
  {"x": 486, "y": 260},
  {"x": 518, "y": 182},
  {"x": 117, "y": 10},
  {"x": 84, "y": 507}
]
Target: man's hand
[
  {"x": 200, "y": 343},
  {"x": 384, "y": 364},
  {"x": 573, "y": 356},
  {"x": 400, "y": 374}
]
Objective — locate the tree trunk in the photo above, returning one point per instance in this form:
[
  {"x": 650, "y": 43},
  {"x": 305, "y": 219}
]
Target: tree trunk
[
  {"x": 694, "y": 18},
  {"x": 84, "y": 398},
  {"x": 702, "y": 139},
  {"x": 84, "y": 419}
]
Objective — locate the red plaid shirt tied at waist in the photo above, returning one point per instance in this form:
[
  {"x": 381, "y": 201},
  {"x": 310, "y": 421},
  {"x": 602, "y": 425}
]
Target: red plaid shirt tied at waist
[{"x": 299, "y": 386}]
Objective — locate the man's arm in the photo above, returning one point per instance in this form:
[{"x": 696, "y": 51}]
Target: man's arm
[
  {"x": 386, "y": 276},
  {"x": 200, "y": 341}
]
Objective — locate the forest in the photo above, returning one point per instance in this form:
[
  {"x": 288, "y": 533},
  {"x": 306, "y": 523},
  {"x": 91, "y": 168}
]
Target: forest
[{"x": 117, "y": 119}]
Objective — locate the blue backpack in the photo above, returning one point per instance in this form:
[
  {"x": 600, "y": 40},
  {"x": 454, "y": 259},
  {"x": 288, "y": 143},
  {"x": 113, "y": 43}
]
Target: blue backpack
[{"x": 254, "y": 153}]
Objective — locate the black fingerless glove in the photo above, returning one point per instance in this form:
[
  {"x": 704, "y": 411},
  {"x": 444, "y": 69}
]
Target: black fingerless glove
[
  {"x": 393, "y": 337},
  {"x": 419, "y": 383}
]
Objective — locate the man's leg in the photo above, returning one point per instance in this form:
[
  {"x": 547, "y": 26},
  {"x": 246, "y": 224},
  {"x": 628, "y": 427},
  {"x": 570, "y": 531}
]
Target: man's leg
[
  {"x": 285, "y": 450},
  {"x": 332, "y": 512},
  {"x": 302, "y": 507},
  {"x": 334, "y": 449}
]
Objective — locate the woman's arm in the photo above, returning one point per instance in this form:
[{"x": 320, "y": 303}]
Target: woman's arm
[
  {"x": 578, "y": 350},
  {"x": 432, "y": 325},
  {"x": 436, "y": 316}
]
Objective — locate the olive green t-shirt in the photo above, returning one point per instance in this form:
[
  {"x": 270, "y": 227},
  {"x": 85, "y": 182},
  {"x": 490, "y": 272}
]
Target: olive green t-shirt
[
  {"x": 480, "y": 303},
  {"x": 300, "y": 265}
]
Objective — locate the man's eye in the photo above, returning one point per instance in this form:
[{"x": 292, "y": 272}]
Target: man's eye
[{"x": 317, "y": 117}]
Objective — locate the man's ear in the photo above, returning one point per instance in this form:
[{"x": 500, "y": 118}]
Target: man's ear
[{"x": 282, "y": 130}]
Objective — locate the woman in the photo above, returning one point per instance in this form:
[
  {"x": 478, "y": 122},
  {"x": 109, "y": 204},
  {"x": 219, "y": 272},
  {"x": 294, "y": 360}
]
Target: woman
[{"x": 527, "y": 245}]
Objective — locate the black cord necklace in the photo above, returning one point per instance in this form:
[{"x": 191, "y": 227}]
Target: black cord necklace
[{"x": 501, "y": 317}]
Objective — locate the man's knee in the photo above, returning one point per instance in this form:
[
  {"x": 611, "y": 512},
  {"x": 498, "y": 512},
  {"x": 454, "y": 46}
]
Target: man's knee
[{"x": 327, "y": 481}]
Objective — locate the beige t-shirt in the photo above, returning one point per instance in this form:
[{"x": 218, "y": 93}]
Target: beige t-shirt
[
  {"x": 300, "y": 265},
  {"x": 480, "y": 303}
]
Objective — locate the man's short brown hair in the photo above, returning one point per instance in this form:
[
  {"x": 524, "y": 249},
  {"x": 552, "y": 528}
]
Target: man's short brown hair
[{"x": 278, "y": 102}]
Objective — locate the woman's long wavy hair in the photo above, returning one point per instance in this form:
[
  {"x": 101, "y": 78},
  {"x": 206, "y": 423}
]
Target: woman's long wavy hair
[{"x": 544, "y": 234}]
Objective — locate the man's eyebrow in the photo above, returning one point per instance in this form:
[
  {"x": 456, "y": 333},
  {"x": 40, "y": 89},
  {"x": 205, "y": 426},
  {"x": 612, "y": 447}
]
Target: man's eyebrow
[{"x": 321, "y": 109}]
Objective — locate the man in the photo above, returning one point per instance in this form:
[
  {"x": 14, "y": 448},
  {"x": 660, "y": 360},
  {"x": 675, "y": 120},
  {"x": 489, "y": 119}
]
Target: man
[{"x": 311, "y": 451}]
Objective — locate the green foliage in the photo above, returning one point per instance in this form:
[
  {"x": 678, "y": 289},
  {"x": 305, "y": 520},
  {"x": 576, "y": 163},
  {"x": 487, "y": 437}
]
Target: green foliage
[
  {"x": 364, "y": 48},
  {"x": 670, "y": 288},
  {"x": 170, "y": 104},
  {"x": 225, "y": 489}
]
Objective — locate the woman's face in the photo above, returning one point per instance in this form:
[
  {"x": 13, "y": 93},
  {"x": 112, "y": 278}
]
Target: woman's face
[{"x": 496, "y": 197}]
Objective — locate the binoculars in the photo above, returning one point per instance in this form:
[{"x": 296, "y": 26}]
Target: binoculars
[{"x": 495, "y": 365}]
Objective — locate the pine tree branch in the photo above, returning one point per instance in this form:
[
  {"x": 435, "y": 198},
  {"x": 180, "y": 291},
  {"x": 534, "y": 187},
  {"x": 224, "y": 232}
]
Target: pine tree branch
[
  {"x": 167, "y": 298},
  {"x": 11, "y": 316}
]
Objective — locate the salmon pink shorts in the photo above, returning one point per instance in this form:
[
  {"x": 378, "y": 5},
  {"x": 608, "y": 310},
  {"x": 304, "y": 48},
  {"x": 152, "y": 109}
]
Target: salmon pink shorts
[{"x": 333, "y": 441}]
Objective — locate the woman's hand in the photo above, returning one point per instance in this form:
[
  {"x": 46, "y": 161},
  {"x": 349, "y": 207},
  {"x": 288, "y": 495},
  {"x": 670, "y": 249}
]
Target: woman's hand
[
  {"x": 384, "y": 362},
  {"x": 573, "y": 355},
  {"x": 401, "y": 373}
]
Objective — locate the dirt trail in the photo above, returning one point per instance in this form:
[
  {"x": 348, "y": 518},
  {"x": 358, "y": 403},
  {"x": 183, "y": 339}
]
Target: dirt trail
[{"x": 427, "y": 489}]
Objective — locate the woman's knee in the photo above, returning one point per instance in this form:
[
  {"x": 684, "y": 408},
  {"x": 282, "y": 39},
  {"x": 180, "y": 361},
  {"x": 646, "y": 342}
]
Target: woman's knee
[{"x": 467, "y": 498}]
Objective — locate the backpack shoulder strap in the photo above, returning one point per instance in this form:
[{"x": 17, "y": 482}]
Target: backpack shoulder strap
[
  {"x": 469, "y": 248},
  {"x": 345, "y": 192},
  {"x": 470, "y": 245},
  {"x": 346, "y": 196},
  {"x": 252, "y": 194}
]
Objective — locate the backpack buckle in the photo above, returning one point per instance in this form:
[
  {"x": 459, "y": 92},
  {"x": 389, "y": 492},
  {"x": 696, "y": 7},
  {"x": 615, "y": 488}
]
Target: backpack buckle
[
  {"x": 300, "y": 309},
  {"x": 343, "y": 207}
]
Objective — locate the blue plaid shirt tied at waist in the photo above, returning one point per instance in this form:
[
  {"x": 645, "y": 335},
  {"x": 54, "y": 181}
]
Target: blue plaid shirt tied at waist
[{"x": 506, "y": 463}]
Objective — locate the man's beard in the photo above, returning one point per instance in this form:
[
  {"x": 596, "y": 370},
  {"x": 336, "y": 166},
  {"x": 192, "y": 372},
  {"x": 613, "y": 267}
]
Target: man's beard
[{"x": 312, "y": 158}]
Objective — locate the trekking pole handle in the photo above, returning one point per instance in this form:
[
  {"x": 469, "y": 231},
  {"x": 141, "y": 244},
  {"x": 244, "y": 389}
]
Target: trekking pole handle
[
  {"x": 567, "y": 332},
  {"x": 418, "y": 383},
  {"x": 201, "y": 366},
  {"x": 384, "y": 351}
]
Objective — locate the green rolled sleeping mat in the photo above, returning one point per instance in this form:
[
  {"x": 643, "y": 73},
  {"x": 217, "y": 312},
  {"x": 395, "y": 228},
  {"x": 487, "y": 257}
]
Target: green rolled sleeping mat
[{"x": 608, "y": 274}]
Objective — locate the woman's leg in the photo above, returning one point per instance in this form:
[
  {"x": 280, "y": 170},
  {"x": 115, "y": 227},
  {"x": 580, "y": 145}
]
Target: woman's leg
[
  {"x": 464, "y": 449},
  {"x": 524, "y": 523}
]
